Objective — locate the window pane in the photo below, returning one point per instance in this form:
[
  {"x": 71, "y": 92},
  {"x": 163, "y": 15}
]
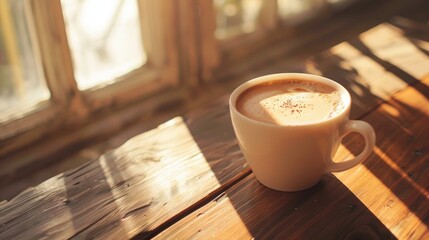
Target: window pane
[
  {"x": 297, "y": 10},
  {"x": 235, "y": 17},
  {"x": 340, "y": 3},
  {"x": 105, "y": 39},
  {"x": 21, "y": 83}
]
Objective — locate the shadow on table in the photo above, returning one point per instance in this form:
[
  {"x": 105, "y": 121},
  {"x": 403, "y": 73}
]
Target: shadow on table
[
  {"x": 330, "y": 209},
  {"x": 340, "y": 70},
  {"x": 400, "y": 161}
]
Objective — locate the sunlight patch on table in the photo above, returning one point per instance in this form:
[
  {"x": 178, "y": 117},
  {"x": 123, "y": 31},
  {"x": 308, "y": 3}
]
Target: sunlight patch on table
[
  {"x": 367, "y": 72},
  {"x": 390, "y": 44},
  {"x": 117, "y": 195},
  {"x": 54, "y": 186},
  {"x": 218, "y": 219},
  {"x": 400, "y": 172},
  {"x": 161, "y": 172},
  {"x": 232, "y": 221},
  {"x": 183, "y": 163},
  {"x": 380, "y": 198}
]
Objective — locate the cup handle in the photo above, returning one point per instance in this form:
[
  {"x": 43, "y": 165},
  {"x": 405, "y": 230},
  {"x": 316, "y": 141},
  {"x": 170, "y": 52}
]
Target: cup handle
[{"x": 368, "y": 134}]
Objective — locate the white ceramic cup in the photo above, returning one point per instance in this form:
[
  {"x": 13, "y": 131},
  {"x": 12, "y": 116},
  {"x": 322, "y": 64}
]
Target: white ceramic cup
[{"x": 295, "y": 157}]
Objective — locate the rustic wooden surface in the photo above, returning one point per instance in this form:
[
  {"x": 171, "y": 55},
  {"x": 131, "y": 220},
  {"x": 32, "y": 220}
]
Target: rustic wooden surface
[
  {"x": 384, "y": 198},
  {"x": 135, "y": 188},
  {"x": 187, "y": 177}
]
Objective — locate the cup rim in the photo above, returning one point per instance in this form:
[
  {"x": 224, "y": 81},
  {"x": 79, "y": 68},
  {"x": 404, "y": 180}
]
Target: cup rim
[{"x": 345, "y": 96}]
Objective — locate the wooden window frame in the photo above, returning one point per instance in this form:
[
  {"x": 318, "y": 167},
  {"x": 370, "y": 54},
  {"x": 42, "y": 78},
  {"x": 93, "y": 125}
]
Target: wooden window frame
[
  {"x": 182, "y": 53},
  {"x": 69, "y": 106}
]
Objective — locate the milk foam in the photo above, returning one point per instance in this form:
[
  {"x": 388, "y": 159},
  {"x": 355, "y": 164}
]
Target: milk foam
[{"x": 290, "y": 102}]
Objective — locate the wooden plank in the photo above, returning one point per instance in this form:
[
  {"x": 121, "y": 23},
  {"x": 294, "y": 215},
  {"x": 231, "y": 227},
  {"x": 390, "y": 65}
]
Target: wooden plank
[
  {"x": 385, "y": 198},
  {"x": 135, "y": 188},
  {"x": 251, "y": 210}
]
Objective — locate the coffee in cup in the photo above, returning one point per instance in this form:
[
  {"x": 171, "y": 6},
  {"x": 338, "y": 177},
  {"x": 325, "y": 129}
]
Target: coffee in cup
[
  {"x": 289, "y": 126},
  {"x": 291, "y": 101}
]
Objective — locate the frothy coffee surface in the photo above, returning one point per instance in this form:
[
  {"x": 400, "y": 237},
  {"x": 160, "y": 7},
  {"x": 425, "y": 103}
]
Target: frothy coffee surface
[{"x": 290, "y": 101}]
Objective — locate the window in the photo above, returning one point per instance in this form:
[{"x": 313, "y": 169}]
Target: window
[
  {"x": 62, "y": 62},
  {"x": 105, "y": 43},
  {"x": 236, "y": 17},
  {"x": 293, "y": 11},
  {"x": 22, "y": 85}
]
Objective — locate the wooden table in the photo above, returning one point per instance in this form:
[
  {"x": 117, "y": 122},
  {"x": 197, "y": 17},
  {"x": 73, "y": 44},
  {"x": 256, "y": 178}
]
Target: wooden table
[{"x": 188, "y": 179}]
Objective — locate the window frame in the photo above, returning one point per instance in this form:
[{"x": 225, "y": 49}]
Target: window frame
[
  {"x": 187, "y": 56},
  {"x": 69, "y": 106}
]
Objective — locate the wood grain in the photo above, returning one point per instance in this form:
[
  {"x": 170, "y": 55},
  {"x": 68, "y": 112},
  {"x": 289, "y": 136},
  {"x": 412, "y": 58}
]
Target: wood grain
[
  {"x": 188, "y": 177},
  {"x": 135, "y": 188},
  {"x": 384, "y": 198},
  {"x": 399, "y": 166}
]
